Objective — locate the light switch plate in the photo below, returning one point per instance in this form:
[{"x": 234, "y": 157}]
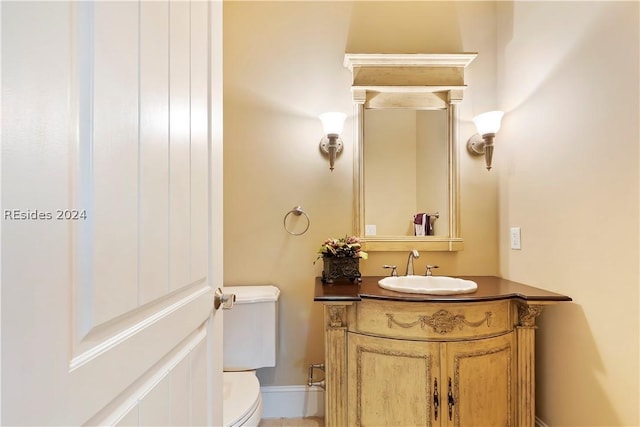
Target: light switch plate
[
  {"x": 515, "y": 238},
  {"x": 370, "y": 230}
]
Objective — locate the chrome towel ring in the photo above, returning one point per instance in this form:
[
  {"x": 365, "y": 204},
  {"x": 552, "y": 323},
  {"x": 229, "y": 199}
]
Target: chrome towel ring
[{"x": 297, "y": 211}]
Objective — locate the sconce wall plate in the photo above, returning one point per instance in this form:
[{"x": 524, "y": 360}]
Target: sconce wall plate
[
  {"x": 324, "y": 145},
  {"x": 475, "y": 145}
]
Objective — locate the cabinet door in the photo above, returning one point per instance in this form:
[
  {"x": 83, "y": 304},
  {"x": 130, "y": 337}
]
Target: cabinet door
[
  {"x": 391, "y": 382},
  {"x": 480, "y": 386}
]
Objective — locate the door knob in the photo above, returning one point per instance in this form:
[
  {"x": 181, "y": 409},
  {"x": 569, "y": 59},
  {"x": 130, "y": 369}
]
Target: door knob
[{"x": 224, "y": 300}]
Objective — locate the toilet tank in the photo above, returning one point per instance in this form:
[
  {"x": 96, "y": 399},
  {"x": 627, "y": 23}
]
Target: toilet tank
[{"x": 250, "y": 328}]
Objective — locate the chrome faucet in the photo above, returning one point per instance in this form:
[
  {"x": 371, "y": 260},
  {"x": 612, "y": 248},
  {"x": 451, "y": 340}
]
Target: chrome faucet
[{"x": 413, "y": 254}]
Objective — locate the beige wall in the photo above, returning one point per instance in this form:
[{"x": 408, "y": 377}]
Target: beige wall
[
  {"x": 567, "y": 161},
  {"x": 282, "y": 68}
]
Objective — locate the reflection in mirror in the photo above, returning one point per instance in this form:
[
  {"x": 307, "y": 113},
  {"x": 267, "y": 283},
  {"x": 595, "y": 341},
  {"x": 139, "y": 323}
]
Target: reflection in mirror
[{"x": 405, "y": 172}]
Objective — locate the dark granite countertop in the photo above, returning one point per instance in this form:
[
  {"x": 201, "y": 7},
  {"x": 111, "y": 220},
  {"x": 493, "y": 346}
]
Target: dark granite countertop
[{"x": 490, "y": 288}]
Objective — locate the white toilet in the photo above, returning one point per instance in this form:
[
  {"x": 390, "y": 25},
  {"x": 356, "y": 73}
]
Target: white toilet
[{"x": 250, "y": 337}]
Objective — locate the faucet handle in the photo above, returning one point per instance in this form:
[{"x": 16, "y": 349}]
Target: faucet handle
[
  {"x": 394, "y": 272},
  {"x": 429, "y": 267}
]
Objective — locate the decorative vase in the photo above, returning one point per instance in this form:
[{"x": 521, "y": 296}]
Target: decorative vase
[{"x": 341, "y": 268}]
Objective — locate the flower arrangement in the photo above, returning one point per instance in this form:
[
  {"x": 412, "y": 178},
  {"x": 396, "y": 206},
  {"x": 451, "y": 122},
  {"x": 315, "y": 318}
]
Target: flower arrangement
[{"x": 344, "y": 247}]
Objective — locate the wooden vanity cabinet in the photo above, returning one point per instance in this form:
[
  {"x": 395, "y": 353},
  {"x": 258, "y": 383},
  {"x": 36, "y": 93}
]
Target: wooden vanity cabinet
[{"x": 392, "y": 359}]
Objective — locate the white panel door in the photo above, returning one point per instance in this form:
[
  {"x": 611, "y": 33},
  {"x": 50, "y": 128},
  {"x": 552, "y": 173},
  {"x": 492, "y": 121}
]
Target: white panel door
[{"x": 111, "y": 211}]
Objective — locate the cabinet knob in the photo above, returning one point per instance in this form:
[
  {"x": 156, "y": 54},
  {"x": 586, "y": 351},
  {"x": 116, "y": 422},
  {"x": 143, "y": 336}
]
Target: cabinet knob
[
  {"x": 451, "y": 401},
  {"x": 436, "y": 399}
]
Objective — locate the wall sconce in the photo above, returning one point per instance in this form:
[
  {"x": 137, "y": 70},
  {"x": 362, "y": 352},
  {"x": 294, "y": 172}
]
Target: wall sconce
[
  {"x": 487, "y": 124},
  {"x": 331, "y": 144}
]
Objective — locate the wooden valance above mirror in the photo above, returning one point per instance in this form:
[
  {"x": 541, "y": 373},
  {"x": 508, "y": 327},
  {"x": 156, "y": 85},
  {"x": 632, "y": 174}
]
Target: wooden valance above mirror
[{"x": 393, "y": 189}]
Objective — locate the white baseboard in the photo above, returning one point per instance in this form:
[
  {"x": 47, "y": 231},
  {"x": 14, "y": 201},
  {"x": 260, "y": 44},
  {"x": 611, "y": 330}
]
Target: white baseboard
[
  {"x": 292, "y": 401},
  {"x": 540, "y": 423}
]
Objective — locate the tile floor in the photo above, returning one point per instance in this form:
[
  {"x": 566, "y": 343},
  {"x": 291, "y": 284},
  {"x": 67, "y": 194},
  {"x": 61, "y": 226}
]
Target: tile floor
[{"x": 292, "y": 422}]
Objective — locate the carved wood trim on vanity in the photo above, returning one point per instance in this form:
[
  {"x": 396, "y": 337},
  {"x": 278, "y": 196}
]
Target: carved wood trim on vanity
[
  {"x": 335, "y": 320},
  {"x": 337, "y": 315},
  {"x": 526, "y": 366},
  {"x": 441, "y": 322},
  {"x": 528, "y": 314}
]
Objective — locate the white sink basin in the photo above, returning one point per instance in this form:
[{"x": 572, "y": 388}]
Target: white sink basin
[{"x": 434, "y": 285}]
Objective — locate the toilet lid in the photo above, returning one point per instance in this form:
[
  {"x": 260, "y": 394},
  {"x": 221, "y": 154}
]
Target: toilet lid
[{"x": 241, "y": 396}]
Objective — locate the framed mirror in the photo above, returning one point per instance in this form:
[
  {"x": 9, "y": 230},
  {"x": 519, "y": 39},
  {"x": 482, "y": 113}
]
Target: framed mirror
[{"x": 406, "y": 150}]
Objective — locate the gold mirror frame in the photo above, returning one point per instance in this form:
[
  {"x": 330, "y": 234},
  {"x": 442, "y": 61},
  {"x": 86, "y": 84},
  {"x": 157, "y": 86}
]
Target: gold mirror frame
[{"x": 414, "y": 81}]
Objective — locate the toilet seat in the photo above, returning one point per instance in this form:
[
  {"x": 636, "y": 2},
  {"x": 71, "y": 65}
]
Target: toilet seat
[{"x": 242, "y": 401}]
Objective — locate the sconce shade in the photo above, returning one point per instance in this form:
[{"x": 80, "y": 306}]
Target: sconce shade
[
  {"x": 333, "y": 122},
  {"x": 489, "y": 122}
]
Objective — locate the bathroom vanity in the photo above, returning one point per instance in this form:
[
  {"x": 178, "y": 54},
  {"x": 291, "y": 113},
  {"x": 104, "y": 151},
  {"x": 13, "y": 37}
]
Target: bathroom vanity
[{"x": 395, "y": 358}]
